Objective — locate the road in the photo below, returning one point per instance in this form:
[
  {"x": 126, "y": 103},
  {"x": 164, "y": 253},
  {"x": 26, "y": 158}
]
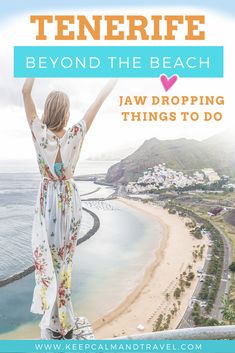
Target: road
[
  {"x": 186, "y": 320},
  {"x": 224, "y": 286},
  {"x": 225, "y": 282}
]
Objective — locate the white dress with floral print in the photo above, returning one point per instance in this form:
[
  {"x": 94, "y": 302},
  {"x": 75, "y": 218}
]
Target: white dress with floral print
[{"x": 56, "y": 225}]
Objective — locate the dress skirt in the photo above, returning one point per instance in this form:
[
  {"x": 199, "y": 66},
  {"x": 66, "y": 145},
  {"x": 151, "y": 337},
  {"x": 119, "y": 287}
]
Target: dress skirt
[{"x": 56, "y": 226}]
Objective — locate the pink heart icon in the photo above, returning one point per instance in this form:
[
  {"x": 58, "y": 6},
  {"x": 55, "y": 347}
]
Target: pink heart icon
[{"x": 168, "y": 82}]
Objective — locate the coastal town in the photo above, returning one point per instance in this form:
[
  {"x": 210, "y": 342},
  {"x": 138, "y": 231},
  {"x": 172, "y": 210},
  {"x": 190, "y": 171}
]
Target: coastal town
[{"x": 160, "y": 177}]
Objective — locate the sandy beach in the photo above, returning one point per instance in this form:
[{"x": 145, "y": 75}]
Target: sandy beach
[{"x": 148, "y": 300}]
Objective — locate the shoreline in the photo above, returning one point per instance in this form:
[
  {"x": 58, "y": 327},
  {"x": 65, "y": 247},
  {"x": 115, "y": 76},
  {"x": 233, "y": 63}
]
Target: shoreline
[
  {"x": 158, "y": 277},
  {"x": 143, "y": 282},
  {"x": 156, "y": 282}
]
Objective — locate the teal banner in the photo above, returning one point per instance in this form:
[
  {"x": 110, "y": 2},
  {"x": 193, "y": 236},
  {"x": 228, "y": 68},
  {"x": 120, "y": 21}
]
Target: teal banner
[
  {"x": 118, "y": 61},
  {"x": 114, "y": 346}
]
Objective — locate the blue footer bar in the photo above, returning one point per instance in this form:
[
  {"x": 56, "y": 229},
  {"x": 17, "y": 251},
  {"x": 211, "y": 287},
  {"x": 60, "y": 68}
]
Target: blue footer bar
[{"x": 166, "y": 346}]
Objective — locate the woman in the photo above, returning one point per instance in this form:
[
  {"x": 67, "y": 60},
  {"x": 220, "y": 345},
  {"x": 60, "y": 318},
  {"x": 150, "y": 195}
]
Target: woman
[{"x": 58, "y": 212}]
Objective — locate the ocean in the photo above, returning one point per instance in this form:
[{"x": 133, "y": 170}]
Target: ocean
[
  {"x": 106, "y": 267},
  {"x": 84, "y": 167}
]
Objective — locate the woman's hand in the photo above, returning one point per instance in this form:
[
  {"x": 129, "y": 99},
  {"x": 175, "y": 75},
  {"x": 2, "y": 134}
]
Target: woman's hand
[
  {"x": 94, "y": 108},
  {"x": 29, "y": 105},
  {"x": 107, "y": 89}
]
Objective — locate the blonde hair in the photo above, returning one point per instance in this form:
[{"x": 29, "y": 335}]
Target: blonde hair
[{"x": 56, "y": 109}]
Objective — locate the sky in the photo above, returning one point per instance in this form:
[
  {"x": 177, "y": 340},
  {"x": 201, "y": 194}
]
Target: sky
[
  {"x": 109, "y": 133},
  {"x": 19, "y": 6}
]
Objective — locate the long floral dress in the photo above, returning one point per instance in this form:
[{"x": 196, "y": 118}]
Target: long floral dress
[{"x": 56, "y": 224}]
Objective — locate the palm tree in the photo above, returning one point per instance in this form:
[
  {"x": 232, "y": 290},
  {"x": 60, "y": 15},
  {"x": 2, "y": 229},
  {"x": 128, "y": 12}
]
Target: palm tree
[
  {"x": 228, "y": 310},
  {"x": 229, "y": 315},
  {"x": 225, "y": 302},
  {"x": 167, "y": 296},
  {"x": 190, "y": 268}
]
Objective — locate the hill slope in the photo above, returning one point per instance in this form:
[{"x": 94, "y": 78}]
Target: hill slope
[{"x": 182, "y": 154}]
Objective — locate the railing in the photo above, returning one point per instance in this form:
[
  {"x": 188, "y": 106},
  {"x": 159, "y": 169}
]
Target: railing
[{"x": 196, "y": 333}]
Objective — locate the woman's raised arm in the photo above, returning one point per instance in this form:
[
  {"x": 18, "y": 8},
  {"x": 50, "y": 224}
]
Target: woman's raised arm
[
  {"x": 28, "y": 101},
  {"x": 94, "y": 108}
]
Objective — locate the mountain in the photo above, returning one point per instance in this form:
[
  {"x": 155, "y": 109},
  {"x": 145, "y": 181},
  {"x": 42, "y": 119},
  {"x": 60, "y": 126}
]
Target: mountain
[
  {"x": 222, "y": 146},
  {"x": 182, "y": 154}
]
